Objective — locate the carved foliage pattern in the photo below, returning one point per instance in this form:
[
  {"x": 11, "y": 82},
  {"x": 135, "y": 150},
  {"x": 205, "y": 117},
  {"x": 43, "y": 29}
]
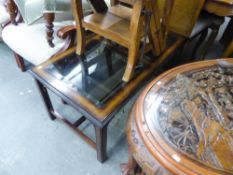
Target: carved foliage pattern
[{"x": 196, "y": 115}]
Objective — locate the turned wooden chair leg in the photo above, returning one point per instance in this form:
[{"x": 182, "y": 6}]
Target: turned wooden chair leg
[
  {"x": 11, "y": 8},
  {"x": 20, "y": 62},
  {"x": 199, "y": 42},
  {"x": 49, "y": 17},
  {"x": 101, "y": 143}
]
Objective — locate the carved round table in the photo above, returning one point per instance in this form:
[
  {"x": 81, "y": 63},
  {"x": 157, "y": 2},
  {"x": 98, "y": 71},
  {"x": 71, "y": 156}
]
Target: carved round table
[{"x": 182, "y": 123}]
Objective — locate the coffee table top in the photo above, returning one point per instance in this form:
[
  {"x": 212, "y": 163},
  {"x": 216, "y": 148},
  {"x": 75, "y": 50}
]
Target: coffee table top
[{"x": 185, "y": 117}]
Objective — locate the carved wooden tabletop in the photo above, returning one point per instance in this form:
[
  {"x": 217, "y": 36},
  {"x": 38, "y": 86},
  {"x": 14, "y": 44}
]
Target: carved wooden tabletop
[{"x": 183, "y": 121}]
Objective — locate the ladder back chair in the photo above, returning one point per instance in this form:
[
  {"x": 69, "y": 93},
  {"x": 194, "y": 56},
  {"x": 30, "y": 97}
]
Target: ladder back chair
[{"x": 123, "y": 23}]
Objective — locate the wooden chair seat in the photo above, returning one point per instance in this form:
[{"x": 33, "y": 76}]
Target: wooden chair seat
[{"x": 111, "y": 25}]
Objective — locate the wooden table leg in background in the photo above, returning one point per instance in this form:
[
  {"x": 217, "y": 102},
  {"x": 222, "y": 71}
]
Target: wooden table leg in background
[{"x": 46, "y": 99}]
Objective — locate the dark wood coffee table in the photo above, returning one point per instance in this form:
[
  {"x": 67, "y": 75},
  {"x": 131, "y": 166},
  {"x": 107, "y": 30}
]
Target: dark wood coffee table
[
  {"x": 92, "y": 84},
  {"x": 182, "y": 123}
]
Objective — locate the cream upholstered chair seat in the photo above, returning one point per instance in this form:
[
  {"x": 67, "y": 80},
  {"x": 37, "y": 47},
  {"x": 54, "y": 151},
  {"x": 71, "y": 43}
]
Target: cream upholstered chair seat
[
  {"x": 29, "y": 39},
  {"x": 34, "y": 49}
]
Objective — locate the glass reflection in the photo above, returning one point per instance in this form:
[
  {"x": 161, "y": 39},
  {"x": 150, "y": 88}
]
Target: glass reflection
[{"x": 97, "y": 75}]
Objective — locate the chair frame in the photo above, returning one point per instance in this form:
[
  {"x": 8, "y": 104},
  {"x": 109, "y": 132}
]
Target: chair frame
[
  {"x": 67, "y": 33},
  {"x": 156, "y": 33}
]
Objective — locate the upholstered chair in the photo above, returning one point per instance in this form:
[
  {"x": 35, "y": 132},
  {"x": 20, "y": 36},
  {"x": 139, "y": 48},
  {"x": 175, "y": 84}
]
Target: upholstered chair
[{"x": 29, "y": 39}]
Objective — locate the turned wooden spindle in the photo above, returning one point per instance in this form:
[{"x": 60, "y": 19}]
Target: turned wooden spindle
[
  {"x": 49, "y": 18},
  {"x": 12, "y": 10}
]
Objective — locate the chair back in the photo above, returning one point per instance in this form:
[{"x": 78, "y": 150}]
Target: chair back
[
  {"x": 160, "y": 17},
  {"x": 159, "y": 22},
  {"x": 184, "y": 15}
]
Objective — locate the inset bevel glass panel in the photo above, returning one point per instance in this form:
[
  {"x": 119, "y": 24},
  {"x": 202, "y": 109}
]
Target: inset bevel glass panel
[{"x": 97, "y": 75}]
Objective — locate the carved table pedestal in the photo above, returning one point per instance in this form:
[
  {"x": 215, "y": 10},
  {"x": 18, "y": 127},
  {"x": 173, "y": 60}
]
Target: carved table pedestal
[{"x": 182, "y": 123}]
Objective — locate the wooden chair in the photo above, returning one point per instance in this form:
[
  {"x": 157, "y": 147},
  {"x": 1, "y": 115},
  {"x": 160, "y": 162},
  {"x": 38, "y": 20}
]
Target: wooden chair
[
  {"x": 28, "y": 42},
  {"x": 117, "y": 24},
  {"x": 188, "y": 21}
]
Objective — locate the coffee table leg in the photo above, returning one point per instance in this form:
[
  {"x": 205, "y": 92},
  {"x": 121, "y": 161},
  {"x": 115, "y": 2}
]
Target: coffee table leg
[
  {"x": 46, "y": 99},
  {"x": 101, "y": 143}
]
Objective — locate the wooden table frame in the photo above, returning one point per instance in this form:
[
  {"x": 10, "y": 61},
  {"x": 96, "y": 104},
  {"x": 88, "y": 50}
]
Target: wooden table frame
[{"x": 99, "y": 117}]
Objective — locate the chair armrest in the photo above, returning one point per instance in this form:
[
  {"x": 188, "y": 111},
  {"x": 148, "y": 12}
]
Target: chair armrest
[{"x": 67, "y": 31}]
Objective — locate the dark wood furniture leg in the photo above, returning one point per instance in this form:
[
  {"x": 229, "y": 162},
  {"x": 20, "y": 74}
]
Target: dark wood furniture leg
[
  {"x": 101, "y": 142},
  {"x": 46, "y": 99},
  {"x": 101, "y": 132},
  {"x": 12, "y": 9},
  {"x": 20, "y": 62},
  {"x": 49, "y": 17},
  {"x": 215, "y": 29}
]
